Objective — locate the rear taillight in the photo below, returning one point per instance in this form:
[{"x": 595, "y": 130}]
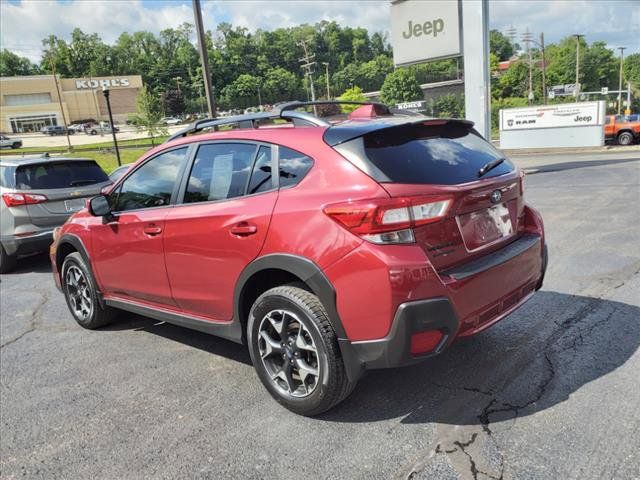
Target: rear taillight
[
  {"x": 388, "y": 220},
  {"x": 18, "y": 199}
]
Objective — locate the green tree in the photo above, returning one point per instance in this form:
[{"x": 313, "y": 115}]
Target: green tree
[
  {"x": 174, "y": 102},
  {"x": 280, "y": 84},
  {"x": 148, "y": 115},
  {"x": 243, "y": 91},
  {"x": 354, "y": 94},
  {"x": 500, "y": 45},
  {"x": 631, "y": 69},
  {"x": 400, "y": 86},
  {"x": 449, "y": 106},
  {"x": 14, "y": 65}
]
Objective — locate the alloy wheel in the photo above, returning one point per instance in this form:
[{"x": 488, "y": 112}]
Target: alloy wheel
[
  {"x": 288, "y": 353},
  {"x": 78, "y": 293}
]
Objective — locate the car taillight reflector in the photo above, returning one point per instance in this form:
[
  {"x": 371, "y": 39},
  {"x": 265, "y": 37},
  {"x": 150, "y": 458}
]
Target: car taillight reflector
[
  {"x": 425, "y": 342},
  {"x": 18, "y": 199},
  {"x": 388, "y": 220}
]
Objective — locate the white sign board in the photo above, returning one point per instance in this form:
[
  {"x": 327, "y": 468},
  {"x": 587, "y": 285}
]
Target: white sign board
[
  {"x": 113, "y": 82},
  {"x": 551, "y": 116},
  {"x": 417, "y": 105},
  {"x": 422, "y": 30}
]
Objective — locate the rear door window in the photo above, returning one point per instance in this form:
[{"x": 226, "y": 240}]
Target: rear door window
[
  {"x": 446, "y": 154},
  {"x": 55, "y": 175},
  {"x": 220, "y": 171}
]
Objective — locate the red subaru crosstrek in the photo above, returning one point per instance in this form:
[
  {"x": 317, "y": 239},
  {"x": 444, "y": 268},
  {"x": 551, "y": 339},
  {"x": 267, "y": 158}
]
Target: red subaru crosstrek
[{"x": 328, "y": 248}]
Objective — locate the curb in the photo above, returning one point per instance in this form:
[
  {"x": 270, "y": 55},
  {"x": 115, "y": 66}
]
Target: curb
[{"x": 555, "y": 151}]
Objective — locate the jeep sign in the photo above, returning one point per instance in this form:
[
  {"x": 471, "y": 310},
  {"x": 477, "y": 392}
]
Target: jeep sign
[
  {"x": 551, "y": 116},
  {"x": 422, "y": 31},
  {"x": 108, "y": 83}
]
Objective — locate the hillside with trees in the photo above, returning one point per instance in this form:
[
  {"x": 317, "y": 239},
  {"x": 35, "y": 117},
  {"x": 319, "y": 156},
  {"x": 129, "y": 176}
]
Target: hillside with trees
[{"x": 262, "y": 67}]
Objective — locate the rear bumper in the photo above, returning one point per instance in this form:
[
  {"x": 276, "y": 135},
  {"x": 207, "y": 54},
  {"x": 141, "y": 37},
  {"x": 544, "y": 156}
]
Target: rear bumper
[
  {"x": 22, "y": 245},
  {"x": 442, "y": 313}
]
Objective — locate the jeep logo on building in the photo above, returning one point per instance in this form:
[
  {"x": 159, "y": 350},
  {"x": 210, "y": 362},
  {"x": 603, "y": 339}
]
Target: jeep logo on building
[
  {"x": 113, "y": 82},
  {"x": 433, "y": 28}
]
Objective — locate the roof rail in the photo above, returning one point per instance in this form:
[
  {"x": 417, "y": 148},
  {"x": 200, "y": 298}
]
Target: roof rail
[
  {"x": 285, "y": 110},
  {"x": 252, "y": 120}
]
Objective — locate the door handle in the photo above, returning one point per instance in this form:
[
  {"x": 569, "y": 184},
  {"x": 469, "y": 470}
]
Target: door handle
[
  {"x": 243, "y": 228},
  {"x": 152, "y": 230}
]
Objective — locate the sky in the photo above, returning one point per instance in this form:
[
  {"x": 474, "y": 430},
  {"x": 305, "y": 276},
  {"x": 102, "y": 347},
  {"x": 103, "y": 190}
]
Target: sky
[{"x": 24, "y": 23}]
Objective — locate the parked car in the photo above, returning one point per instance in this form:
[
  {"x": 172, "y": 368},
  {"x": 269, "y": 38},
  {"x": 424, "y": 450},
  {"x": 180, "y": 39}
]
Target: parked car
[
  {"x": 621, "y": 129},
  {"x": 379, "y": 240},
  {"x": 76, "y": 128},
  {"x": 170, "y": 121},
  {"x": 55, "y": 130},
  {"x": 115, "y": 175},
  {"x": 96, "y": 129},
  {"x": 38, "y": 194},
  {"x": 6, "y": 142}
]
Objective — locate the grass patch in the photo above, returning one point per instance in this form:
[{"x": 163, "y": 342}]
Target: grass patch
[
  {"x": 142, "y": 142},
  {"x": 108, "y": 161}
]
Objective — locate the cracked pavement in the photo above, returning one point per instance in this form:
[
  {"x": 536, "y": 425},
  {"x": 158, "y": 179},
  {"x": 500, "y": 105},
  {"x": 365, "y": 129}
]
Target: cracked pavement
[{"x": 550, "y": 392}]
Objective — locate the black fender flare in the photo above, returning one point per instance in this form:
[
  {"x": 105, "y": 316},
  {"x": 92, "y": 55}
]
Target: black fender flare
[
  {"x": 311, "y": 274},
  {"x": 305, "y": 270},
  {"x": 78, "y": 245}
]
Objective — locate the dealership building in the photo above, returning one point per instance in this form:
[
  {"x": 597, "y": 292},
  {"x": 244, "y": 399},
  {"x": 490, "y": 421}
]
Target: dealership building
[{"x": 30, "y": 103}]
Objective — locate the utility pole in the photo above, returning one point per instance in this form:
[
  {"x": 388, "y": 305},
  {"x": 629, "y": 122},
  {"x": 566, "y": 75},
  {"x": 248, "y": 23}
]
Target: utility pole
[
  {"x": 204, "y": 60},
  {"x": 326, "y": 66},
  {"x": 622, "y": 49},
  {"x": 544, "y": 71},
  {"x": 64, "y": 119},
  {"x": 259, "y": 96},
  {"x": 527, "y": 38},
  {"x": 307, "y": 64},
  {"x": 578, "y": 36}
]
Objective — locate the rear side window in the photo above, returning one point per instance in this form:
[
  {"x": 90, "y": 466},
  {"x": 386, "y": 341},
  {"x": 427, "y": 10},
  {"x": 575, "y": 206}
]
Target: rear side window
[
  {"x": 293, "y": 166},
  {"x": 219, "y": 171},
  {"x": 446, "y": 154},
  {"x": 54, "y": 175}
]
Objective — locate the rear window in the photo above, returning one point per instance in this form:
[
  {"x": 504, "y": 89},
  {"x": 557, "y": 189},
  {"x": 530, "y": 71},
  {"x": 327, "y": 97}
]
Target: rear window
[
  {"x": 53, "y": 175},
  {"x": 446, "y": 154}
]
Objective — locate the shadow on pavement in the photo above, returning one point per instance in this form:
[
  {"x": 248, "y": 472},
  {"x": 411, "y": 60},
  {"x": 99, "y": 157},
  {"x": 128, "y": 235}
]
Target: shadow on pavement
[
  {"x": 558, "y": 167},
  {"x": 186, "y": 336},
  {"x": 38, "y": 263},
  {"x": 529, "y": 362}
]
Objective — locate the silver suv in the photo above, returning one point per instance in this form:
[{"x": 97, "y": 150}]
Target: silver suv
[{"x": 39, "y": 194}]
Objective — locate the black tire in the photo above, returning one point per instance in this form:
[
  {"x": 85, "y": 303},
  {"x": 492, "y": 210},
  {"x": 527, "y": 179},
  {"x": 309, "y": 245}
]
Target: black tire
[
  {"x": 331, "y": 384},
  {"x": 96, "y": 316},
  {"x": 625, "y": 138},
  {"x": 7, "y": 262},
  {"x": 93, "y": 132},
  {"x": 15, "y": 145}
]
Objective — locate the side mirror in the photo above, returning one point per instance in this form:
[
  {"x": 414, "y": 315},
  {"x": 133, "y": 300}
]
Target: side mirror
[{"x": 99, "y": 206}]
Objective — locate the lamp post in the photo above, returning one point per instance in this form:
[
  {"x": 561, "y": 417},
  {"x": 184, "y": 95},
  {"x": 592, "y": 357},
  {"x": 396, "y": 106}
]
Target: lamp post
[
  {"x": 529, "y": 39},
  {"x": 105, "y": 92},
  {"x": 622, "y": 49}
]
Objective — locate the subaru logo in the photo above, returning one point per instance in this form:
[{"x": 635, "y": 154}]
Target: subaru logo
[{"x": 496, "y": 196}]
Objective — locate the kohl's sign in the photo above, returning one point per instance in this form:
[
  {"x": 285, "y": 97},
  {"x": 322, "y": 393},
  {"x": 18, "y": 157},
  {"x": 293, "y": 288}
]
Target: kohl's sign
[{"x": 112, "y": 82}]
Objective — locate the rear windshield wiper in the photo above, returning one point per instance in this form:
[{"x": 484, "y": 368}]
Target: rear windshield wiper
[{"x": 490, "y": 165}]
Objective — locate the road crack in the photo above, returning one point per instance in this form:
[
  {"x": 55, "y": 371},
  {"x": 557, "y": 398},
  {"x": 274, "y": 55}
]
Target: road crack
[{"x": 33, "y": 320}]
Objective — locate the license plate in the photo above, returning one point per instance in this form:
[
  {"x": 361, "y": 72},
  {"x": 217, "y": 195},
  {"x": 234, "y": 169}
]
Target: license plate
[
  {"x": 74, "y": 205},
  {"x": 485, "y": 226}
]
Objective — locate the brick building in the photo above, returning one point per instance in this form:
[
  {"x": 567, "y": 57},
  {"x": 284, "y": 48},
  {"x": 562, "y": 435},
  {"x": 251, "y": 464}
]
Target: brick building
[{"x": 31, "y": 102}]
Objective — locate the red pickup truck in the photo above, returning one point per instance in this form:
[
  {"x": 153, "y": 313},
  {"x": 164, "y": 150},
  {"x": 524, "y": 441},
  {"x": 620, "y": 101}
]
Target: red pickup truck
[{"x": 622, "y": 129}]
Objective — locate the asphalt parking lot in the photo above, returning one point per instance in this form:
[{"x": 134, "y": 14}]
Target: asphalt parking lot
[{"x": 551, "y": 392}]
